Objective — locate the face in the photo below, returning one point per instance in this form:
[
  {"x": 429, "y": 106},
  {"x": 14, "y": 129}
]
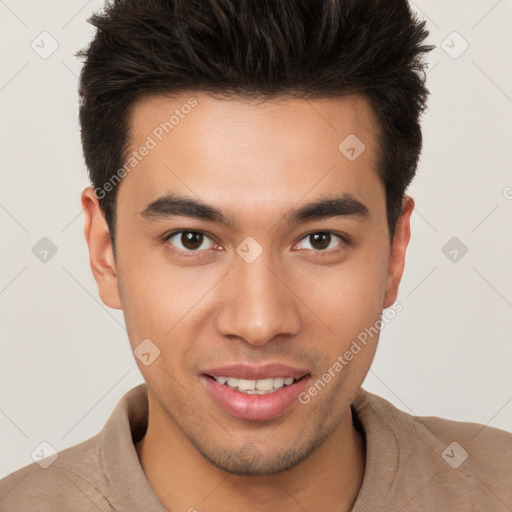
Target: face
[{"x": 250, "y": 245}]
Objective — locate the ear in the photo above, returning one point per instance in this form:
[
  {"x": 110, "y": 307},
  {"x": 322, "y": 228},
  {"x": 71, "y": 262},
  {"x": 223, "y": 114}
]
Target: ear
[
  {"x": 397, "y": 254},
  {"x": 101, "y": 254}
]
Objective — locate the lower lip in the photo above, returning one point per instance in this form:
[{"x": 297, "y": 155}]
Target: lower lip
[{"x": 254, "y": 407}]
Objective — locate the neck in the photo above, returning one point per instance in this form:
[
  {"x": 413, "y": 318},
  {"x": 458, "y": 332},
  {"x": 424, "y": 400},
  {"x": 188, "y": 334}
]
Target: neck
[{"x": 328, "y": 479}]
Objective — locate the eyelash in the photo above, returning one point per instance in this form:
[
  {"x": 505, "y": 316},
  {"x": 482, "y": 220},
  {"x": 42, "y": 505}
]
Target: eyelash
[{"x": 326, "y": 252}]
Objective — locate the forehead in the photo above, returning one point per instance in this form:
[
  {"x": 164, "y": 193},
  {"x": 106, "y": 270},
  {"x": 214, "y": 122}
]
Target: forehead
[{"x": 252, "y": 154}]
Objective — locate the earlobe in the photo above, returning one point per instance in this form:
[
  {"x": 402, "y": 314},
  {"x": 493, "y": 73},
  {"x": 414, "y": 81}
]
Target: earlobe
[
  {"x": 398, "y": 250},
  {"x": 101, "y": 255}
]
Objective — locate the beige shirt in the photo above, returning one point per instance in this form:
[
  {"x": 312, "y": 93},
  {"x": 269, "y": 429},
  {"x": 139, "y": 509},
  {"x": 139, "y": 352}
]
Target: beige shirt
[{"x": 412, "y": 464}]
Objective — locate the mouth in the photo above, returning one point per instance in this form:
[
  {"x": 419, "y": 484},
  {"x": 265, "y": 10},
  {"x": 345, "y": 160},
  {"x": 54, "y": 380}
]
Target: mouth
[{"x": 255, "y": 393}]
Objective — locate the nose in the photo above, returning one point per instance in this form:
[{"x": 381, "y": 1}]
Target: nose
[{"x": 257, "y": 303}]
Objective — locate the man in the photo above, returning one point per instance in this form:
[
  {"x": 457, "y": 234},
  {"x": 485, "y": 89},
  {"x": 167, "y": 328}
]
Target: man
[{"x": 248, "y": 214}]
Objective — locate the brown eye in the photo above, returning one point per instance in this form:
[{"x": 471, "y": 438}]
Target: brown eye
[
  {"x": 190, "y": 241},
  {"x": 322, "y": 241}
]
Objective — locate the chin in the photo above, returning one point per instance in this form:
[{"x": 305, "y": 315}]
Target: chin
[{"x": 248, "y": 460}]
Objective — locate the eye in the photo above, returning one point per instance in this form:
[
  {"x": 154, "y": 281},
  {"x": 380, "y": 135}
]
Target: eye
[
  {"x": 190, "y": 241},
  {"x": 322, "y": 241}
]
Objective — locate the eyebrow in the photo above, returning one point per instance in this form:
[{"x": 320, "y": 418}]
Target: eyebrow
[{"x": 173, "y": 205}]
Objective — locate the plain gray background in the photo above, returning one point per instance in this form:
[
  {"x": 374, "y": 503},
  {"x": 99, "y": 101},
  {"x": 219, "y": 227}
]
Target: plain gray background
[{"x": 65, "y": 357}]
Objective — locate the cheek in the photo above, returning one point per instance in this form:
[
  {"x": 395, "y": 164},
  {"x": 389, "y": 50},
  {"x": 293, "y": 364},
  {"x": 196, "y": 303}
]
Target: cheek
[
  {"x": 155, "y": 309},
  {"x": 350, "y": 297},
  {"x": 163, "y": 303},
  {"x": 350, "y": 304}
]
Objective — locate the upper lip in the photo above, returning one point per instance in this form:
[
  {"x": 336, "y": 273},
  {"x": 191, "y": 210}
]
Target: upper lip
[{"x": 253, "y": 372}]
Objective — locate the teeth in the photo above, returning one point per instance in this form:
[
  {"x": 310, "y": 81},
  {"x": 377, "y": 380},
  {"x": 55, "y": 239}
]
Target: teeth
[
  {"x": 246, "y": 385},
  {"x": 265, "y": 384},
  {"x": 278, "y": 383},
  {"x": 256, "y": 387}
]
